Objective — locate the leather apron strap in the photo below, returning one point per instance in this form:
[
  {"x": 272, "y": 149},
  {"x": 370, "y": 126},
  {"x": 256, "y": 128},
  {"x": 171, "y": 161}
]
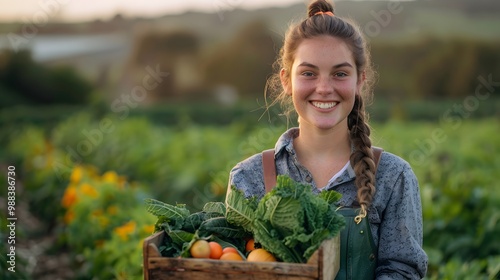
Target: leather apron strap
[{"x": 269, "y": 166}]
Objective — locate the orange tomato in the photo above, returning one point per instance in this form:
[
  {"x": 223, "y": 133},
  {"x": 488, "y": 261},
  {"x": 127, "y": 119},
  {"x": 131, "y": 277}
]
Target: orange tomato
[
  {"x": 200, "y": 249},
  {"x": 215, "y": 250},
  {"x": 230, "y": 249},
  {"x": 250, "y": 245},
  {"x": 260, "y": 255},
  {"x": 231, "y": 256}
]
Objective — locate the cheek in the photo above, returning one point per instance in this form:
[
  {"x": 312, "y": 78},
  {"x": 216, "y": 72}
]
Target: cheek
[
  {"x": 347, "y": 88},
  {"x": 301, "y": 86}
]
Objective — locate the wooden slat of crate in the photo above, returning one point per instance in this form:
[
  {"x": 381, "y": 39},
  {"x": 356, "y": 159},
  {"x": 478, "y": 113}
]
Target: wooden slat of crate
[
  {"x": 216, "y": 266},
  {"x": 323, "y": 264},
  {"x": 198, "y": 275}
]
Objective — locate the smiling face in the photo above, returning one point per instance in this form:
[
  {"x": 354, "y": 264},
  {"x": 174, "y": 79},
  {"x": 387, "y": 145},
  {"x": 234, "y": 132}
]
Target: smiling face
[{"x": 323, "y": 81}]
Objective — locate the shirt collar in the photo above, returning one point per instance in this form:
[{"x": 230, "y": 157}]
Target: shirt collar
[{"x": 285, "y": 143}]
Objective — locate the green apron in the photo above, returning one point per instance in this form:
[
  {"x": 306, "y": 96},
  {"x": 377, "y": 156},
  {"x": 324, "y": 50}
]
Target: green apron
[{"x": 358, "y": 254}]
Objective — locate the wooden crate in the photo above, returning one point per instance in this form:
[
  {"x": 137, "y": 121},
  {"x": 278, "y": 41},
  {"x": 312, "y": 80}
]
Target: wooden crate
[{"x": 323, "y": 264}]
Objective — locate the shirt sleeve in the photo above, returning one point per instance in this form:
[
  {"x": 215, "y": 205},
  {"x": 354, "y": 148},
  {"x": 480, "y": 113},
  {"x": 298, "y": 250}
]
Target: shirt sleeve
[
  {"x": 248, "y": 177},
  {"x": 400, "y": 253}
]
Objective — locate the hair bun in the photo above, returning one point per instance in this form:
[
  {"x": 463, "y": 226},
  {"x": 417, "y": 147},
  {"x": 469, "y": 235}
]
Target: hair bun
[{"x": 319, "y": 6}]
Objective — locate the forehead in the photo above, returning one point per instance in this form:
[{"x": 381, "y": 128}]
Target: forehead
[{"x": 323, "y": 49}]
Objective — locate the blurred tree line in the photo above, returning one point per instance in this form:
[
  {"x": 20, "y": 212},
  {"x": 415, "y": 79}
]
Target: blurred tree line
[
  {"x": 434, "y": 68},
  {"x": 424, "y": 68},
  {"x": 421, "y": 69},
  {"x": 24, "y": 81}
]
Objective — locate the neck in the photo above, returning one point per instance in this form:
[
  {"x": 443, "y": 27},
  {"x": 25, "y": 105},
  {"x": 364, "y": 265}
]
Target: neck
[{"x": 316, "y": 143}]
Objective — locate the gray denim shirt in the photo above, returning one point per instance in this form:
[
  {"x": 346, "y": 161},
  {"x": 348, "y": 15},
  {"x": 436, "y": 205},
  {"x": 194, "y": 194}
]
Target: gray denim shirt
[{"x": 395, "y": 215}]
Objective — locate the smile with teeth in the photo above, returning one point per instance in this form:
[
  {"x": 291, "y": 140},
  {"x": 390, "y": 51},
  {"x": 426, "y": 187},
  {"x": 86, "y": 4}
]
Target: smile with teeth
[{"x": 324, "y": 105}]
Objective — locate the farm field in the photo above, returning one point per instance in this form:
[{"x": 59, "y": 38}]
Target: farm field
[{"x": 83, "y": 183}]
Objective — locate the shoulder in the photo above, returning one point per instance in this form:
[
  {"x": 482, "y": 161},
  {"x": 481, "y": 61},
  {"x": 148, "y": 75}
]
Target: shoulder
[
  {"x": 247, "y": 176},
  {"x": 249, "y": 165},
  {"x": 394, "y": 172},
  {"x": 392, "y": 165}
]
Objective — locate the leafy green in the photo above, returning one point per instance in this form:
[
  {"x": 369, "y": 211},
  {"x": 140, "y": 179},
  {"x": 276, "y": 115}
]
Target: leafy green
[
  {"x": 330, "y": 196},
  {"x": 215, "y": 207},
  {"x": 221, "y": 227},
  {"x": 269, "y": 239},
  {"x": 182, "y": 228},
  {"x": 239, "y": 211},
  {"x": 180, "y": 236},
  {"x": 290, "y": 221},
  {"x": 285, "y": 214},
  {"x": 172, "y": 212},
  {"x": 193, "y": 221}
]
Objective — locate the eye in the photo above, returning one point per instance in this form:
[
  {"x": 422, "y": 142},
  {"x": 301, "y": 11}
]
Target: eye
[
  {"x": 307, "y": 74},
  {"x": 340, "y": 74}
]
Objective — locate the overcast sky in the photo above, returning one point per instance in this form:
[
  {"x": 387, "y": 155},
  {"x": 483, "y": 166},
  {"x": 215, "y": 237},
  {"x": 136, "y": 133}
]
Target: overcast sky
[{"x": 77, "y": 10}]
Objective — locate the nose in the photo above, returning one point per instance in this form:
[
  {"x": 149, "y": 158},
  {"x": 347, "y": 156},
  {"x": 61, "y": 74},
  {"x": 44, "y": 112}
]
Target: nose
[{"x": 324, "y": 85}]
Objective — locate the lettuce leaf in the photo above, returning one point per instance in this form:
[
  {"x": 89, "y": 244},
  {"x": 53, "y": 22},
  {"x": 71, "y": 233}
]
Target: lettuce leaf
[
  {"x": 180, "y": 236},
  {"x": 221, "y": 227},
  {"x": 270, "y": 240},
  {"x": 285, "y": 214},
  {"x": 239, "y": 210},
  {"x": 330, "y": 197},
  {"x": 171, "y": 212},
  {"x": 215, "y": 207}
]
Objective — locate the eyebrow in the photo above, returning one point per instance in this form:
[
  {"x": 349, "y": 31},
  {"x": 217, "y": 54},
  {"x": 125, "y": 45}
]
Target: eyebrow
[{"x": 344, "y": 64}]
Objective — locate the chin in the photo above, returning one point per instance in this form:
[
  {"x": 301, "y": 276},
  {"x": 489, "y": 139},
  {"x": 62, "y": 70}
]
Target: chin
[{"x": 324, "y": 126}]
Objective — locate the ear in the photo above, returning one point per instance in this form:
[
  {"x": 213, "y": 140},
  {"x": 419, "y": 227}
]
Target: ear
[
  {"x": 285, "y": 81},
  {"x": 361, "y": 81}
]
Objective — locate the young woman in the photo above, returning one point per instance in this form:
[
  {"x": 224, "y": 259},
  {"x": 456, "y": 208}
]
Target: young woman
[{"x": 325, "y": 72}]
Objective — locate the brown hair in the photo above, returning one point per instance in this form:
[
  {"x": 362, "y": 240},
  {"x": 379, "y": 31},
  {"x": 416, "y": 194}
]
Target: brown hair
[{"x": 317, "y": 24}]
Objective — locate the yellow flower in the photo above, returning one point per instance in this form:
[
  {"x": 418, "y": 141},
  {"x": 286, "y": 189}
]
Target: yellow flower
[
  {"x": 125, "y": 230},
  {"x": 148, "y": 229},
  {"x": 89, "y": 190},
  {"x": 69, "y": 197},
  {"x": 101, "y": 219},
  {"x": 110, "y": 177},
  {"x": 76, "y": 174}
]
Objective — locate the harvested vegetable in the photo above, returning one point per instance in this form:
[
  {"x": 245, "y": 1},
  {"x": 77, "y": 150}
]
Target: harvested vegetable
[
  {"x": 290, "y": 221},
  {"x": 200, "y": 249},
  {"x": 183, "y": 229},
  {"x": 215, "y": 250},
  {"x": 260, "y": 255},
  {"x": 250, "y": 245},
  {"x": 288, "y": 224},
  {"x": 231, "y": 256}
]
